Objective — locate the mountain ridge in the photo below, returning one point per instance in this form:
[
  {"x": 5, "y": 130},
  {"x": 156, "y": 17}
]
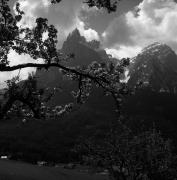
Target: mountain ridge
[
  {"x": 156, "y": 67},
  {"x": 84, "y": 52}
]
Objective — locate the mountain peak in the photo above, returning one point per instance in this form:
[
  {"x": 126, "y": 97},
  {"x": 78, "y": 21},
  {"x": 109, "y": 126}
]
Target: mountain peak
[
  {"x": 75, "y": 33},
  {"x": 155, "y": 45},
  {"x": 84, "y": 52},
  {"x": 157, "y": 49},
  {"x": 75, "y": 37},
  {"x": 156, "y": 66}
]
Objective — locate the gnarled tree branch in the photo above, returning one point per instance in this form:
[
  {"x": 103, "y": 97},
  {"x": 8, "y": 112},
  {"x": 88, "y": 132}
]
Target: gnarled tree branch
[{"x": 46, "y": 66}]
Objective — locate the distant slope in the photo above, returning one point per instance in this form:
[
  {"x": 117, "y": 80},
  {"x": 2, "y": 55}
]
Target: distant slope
[
  {"x": 156, "y": 66},
  {"x": 155, "y": 103}
]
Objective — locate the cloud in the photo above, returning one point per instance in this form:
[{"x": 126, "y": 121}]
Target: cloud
[
  {"x": 63, "y": 15},
  {"x": 153, "y": 20},
  {"x": 89, "y": 33},
  {"x": 117, "y": 32},
  {"x": 32, "y": 9},
  {"x": 14, "y": 59},
  {"x": 66, "y": 16},
  {"x": 123, "y": 51}
]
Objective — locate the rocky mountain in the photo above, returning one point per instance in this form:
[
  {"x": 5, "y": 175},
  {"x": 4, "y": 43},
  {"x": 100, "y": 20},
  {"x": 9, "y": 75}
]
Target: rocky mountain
[
  {"x": 85, "y": 52},
  {"x": 155, "y": 103},
  {"x": 156, "y": 67}
]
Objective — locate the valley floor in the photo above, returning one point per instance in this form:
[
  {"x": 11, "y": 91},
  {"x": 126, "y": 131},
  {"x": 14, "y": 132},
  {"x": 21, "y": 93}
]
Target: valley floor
[{"x": 11, "y": 170}]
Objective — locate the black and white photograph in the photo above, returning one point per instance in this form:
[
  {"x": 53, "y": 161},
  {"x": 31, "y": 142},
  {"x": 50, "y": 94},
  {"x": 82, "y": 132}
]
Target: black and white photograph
[{"x": 88, "y": 89}]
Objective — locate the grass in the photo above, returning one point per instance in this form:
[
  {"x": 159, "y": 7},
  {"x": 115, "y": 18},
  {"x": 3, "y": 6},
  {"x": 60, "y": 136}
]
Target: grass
[
  {"x": 11, "y": 170},
  {"x": 47, "y": 140}
]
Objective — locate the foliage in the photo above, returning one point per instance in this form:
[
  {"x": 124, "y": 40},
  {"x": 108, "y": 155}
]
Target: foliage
[
  {"x": 33, "y": 100},
  {"x": 26, "y": 92},
  {"x": 30, "y": 41},
  {"x": 128, "y": 156},
  {"x": 109, "y": 5}
]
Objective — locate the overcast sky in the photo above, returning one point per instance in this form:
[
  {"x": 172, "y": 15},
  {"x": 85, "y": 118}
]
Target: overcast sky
[{"x": 136, "y": 24}]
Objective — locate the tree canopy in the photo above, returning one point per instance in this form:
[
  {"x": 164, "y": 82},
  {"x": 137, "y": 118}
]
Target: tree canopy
[
  {"x": 25, "y": 40},
  {"x": 109, "y": 5}
]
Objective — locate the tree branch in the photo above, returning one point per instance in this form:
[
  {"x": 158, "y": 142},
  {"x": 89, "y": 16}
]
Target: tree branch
[{"x": 46, "y": 66}]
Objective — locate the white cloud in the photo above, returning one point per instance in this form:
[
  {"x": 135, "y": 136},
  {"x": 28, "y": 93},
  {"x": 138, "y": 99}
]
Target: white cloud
[
  {"x": 155, "y": 21},
  {"x": 88, "y": 33},
  {"x": 65, "y": 16},
  {"x": 32, "y": 8},
  {"x": 123, "y": 52},
  {"x": 90, "y": 10},
  {"x": 15, "y": 59}
]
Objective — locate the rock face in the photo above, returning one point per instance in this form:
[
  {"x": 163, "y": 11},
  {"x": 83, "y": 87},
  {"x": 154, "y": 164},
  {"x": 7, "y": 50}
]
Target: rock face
[
  {"x": 156, "y": 67},
  {"x": 85, "y": 52},
  {"x": 156, "y": 102}
]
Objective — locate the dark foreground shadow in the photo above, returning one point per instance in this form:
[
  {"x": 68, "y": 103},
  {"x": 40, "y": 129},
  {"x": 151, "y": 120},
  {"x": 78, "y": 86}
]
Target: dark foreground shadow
[{"x": 11, "y": 170}]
